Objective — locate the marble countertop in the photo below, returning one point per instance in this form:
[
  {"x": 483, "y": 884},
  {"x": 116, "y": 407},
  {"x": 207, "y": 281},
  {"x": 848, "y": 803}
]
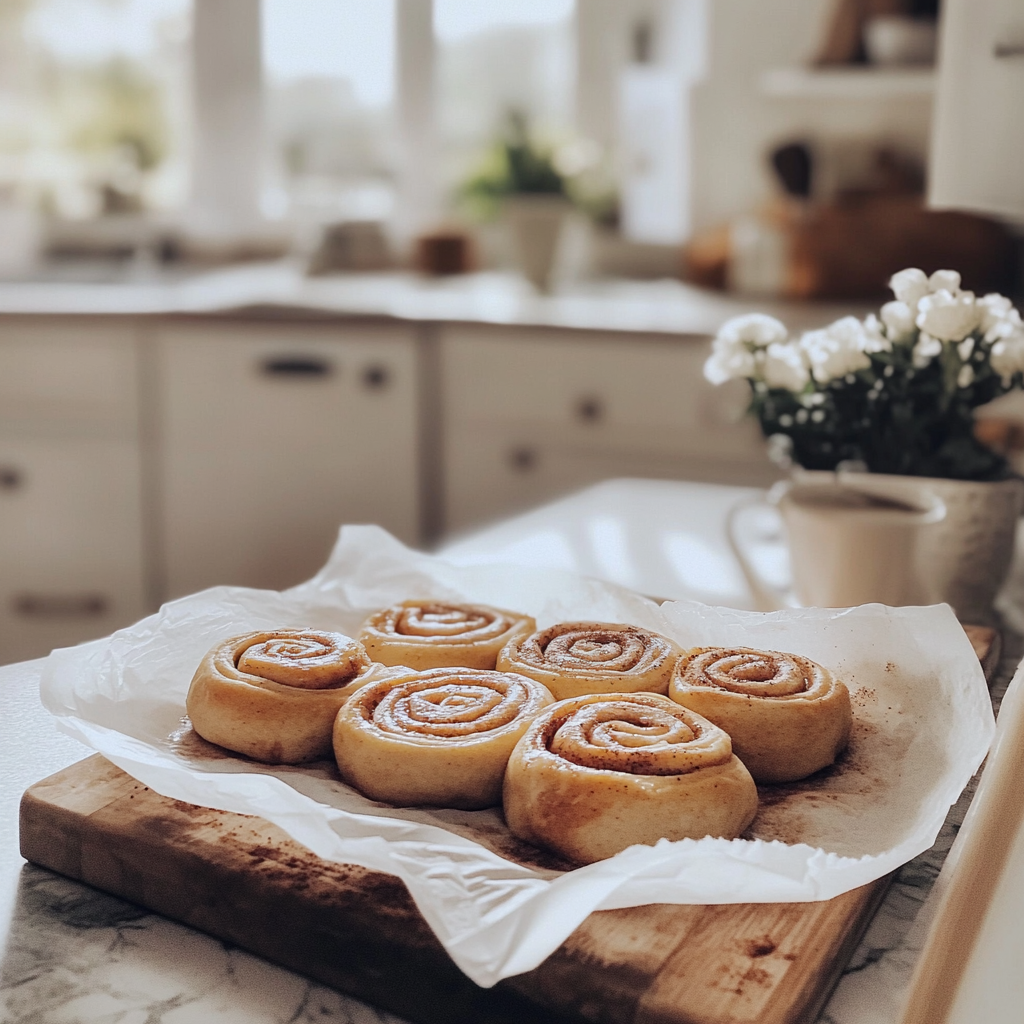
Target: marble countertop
[
  {"x": 282, "y": 288},
  {"x": 71, "y": 954}
]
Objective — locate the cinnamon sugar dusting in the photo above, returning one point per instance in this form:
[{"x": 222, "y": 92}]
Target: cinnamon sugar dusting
[
  {"x": 757, "y": 948},
  {"x": 804, "y": 811}
]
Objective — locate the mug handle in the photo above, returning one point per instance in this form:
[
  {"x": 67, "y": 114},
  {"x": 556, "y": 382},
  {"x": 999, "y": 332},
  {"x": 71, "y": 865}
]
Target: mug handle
[{"x": 765, "y": 598}]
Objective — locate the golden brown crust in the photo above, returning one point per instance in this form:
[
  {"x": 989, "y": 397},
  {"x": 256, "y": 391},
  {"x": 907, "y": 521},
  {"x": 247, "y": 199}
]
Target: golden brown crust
[
  {"x": 596, "y": 774},
  {"x": 440, "y": 737},
  {"x": 576, "y": 658},
  {"x": 788, "y": 716},
  {"x": 273, "y": 695},
  {"x": 434, "y": 634}
]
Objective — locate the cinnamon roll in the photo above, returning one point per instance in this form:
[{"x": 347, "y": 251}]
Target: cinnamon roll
[
  {"x": 441, "y": 737},
  {"x": 787, "y": 716},
  {"x": 595, "y": 774},
  {"x": 274, "y": 695},
  {"x": 574, "y": 658},
  {"x": 433, "y": 634}
]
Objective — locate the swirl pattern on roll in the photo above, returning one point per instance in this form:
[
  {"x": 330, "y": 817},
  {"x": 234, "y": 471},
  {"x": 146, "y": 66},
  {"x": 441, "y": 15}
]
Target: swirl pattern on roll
[
  {"x": 574, "y": 658},
  {"x": 434, "y": 634},
  {"x": 597, "y": 773},
  {"x": 446, "y": 705},
  {"x": 638, "y": 736},
  {"x": 307, "y": 659},
  {"x": 273, "y": 695},
  {"x": 756, "y": 673},
  {"x": 787, "y": 715},
  {"x": 440, "y": 737}
]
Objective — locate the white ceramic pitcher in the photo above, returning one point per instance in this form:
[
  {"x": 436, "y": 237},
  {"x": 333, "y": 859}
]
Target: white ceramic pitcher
[{"x": 847, "y": 547}]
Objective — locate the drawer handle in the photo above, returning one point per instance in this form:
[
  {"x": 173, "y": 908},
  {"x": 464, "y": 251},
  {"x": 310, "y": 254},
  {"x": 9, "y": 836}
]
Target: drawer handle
[
  {"x": 294, "y": 367},
  {"x": 376, "y": 377},
  {"x": 61, "y": 606},
  {"x": 11, "y": 478},
  {"x": 590, "y": 409},
  {"x": 1008, "y": 51},
  {"x": 523, "y": 459}
]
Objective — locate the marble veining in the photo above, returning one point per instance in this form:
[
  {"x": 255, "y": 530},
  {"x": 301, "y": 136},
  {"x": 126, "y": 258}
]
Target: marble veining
[
  {"x": 78, "y": 956},
  {"x": 872, "y": 986}
]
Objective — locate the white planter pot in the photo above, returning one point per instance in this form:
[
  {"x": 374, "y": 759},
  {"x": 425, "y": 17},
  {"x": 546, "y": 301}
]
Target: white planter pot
[
  {"x": 965, "y": 559},
  {"x": 535, "y": 223}
]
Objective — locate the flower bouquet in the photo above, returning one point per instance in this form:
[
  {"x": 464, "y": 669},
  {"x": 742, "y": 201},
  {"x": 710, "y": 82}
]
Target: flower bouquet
[{"x": 893, "y": 393}]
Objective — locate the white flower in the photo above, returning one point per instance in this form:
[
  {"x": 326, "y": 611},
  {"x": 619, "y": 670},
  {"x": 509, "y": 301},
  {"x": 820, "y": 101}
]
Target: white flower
[
  {"x": 836, "y": 350},
  {"x": 1007, "y": 356},
  {"x": 925, "y": 350},
  {"x": 965, "y": 348},
  {"x": 733, "y": 350},
  {"x": 752, "y": 329},
  {"x": 909, "y": 286},
  {"x": 898, "y": 318},
  {"x": 994, "y": 307},
  {"x": 780, "y": 446},
  {"x": 875, "y": 337},
  {"x": 785, "y": 366},
  {"x": 948, "y": 316},
  {"x": 729, "y": 364},
  {"x": 999, "y": 318},
  {"x": 912, "y": 287},
  {"x": 965, "y": 377},
  {"x": 944, "y": 281}
]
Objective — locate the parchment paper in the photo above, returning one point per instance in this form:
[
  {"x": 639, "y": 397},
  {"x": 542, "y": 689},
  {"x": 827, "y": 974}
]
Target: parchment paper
[{"x": 923, "y": 724}]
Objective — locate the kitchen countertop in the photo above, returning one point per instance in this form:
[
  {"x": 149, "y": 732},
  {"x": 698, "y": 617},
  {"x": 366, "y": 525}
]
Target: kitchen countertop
[
  {"x": 281, "y": 288},
  {"x": 72, "y": 954}
]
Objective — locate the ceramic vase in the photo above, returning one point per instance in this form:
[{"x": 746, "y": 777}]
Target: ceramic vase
[
  {"x": 535, "y": 223},
  {"x": 964, "y": 560}
]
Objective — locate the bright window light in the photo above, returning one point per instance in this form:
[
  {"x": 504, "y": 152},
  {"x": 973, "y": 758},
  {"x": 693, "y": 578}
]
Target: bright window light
[
  {"x": 457, "y": 19},
  {"x": 343, "y": 39},
  {"x": 97, "y": 30}
]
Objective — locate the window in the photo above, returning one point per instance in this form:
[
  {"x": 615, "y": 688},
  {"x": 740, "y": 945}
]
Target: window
[
  {"x": 329, "y": 74},
  {"x": 497, "y": 56},
  {"x": 94, "y": 104}
]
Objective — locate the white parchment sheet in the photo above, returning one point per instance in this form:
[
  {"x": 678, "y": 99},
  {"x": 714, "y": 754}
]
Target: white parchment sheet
[{"x": 923, "y": 724}]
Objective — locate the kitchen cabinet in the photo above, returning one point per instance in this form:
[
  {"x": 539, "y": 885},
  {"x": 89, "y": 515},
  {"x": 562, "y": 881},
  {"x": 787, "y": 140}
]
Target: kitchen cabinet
[
  {"x": 532, "y": 413},
  {"x": 71, "y": 541},
  {"x": 270, "y": 436},
  {"x": 144, "y": 457}
]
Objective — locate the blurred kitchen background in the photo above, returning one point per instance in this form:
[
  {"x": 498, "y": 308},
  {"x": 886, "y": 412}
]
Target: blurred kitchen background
[{"x": 267, "y": 266}]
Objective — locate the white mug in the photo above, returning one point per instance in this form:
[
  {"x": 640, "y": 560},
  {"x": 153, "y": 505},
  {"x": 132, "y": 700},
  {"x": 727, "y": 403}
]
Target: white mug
[{"x": 847, "y": 547}]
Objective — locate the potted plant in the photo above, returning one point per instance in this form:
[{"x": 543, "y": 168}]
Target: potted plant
[
  {"x": 891, "y": 397},
  {"x": 521, "y": 179}
]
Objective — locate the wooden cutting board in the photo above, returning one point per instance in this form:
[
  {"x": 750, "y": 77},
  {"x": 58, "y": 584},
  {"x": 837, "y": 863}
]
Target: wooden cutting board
[{"x": 244, "y": 881}]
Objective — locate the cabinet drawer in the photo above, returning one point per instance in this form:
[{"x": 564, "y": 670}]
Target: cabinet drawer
[
  {"x": 70, "y": 542},
  {"x": 65, "y": 373},
  {"x": 593, "y": 383},
  {"x": 272, "y": 438},
  {"x": 636, "y": 395},
  {"x": 497, "y": 471}
]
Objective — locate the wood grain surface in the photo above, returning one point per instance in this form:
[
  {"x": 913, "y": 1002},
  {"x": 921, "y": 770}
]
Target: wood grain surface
[{"x": 244, "y": 881}]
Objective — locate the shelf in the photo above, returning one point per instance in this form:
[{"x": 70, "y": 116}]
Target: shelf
[{"x": 849, "y": 83}]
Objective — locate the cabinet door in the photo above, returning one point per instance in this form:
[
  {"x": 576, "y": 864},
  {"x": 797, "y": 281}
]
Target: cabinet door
[
  {"x": 70, "y": 542},
  {"x": 627, "y": 392},
  {"x": 532, "y": 414},
  {"x": 272, "y": 437},
  {"x": 66, "y": 374},
  {"x": 498, "y": 470}
]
